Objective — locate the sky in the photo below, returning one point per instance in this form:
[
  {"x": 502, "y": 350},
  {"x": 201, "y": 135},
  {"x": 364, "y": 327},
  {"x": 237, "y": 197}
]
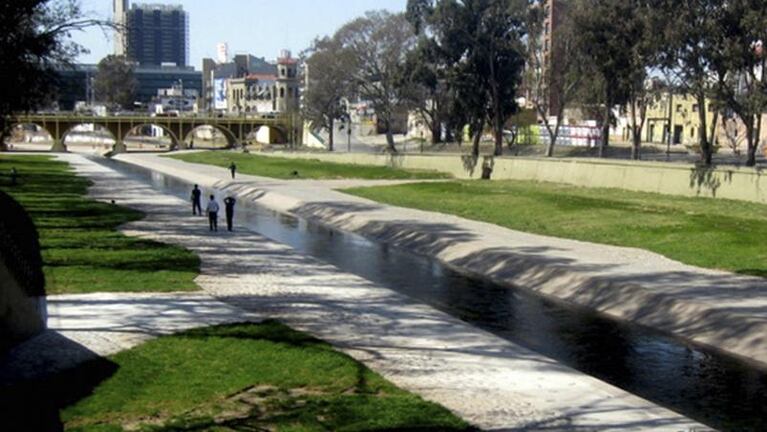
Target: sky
[{"x": 258, "y": 27}]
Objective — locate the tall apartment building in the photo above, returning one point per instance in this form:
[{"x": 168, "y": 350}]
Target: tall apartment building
[
  {"x": 553, "y": 12},
  {"x": 156, "y": 34},
  {"x": 120, "y": 7}
]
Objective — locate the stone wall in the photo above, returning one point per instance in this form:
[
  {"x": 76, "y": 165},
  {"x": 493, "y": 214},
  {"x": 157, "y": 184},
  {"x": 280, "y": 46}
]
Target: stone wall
[
  {"x": 745, "y": 184},
  {"x": 22, "y": 283}
]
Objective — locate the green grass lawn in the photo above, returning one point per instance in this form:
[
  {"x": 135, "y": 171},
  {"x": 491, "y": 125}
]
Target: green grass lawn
[
  {"x": 248, "y": 377},
  {"x": 720, "y": 234},
  {"x": 283, "y": 168},
  {"x": 82, "y": 251}
]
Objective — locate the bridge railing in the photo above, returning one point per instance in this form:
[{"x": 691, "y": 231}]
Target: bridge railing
[{"x": 90, "y": 118}]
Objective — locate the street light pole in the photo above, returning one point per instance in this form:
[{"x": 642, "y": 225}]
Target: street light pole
[{"x": 180, "y": 96}]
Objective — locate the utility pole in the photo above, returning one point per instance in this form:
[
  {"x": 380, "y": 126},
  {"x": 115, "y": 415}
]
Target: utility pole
[{"x": 180, "y": 100}]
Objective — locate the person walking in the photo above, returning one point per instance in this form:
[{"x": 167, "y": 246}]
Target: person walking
[
  {"x": 212, "y": 210},
  {"x": 14, "y": 176},
  {"x": 196, "y": 201},
  {"x": 233, "y": 169},
  {"x": 229, "y": 203}
]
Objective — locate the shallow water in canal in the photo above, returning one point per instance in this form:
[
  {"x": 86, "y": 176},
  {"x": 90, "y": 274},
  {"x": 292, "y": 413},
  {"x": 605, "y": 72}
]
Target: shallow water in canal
[{"x": 706, "y": 385}]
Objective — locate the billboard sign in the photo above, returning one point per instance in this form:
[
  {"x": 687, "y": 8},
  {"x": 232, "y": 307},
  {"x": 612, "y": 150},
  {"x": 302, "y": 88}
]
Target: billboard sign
[{"x": 219, "y": 94}]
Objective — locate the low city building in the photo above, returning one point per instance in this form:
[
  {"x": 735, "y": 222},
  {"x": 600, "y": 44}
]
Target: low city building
[
  {"x": 682, "y": 111},
  {"x": 254, "y": 93}
]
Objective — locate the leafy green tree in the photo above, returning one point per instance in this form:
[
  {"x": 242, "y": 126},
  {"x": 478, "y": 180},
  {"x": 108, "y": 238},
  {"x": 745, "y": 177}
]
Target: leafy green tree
[
  {"x": 692, "y": 54},
  {"x": 483, "y": 39},
  {"x": 598, "y": 26},
  {"x": 115, "y": 82},
  {"x": 328, "y": 84},
  {"x": 425, "y": 75},
  {"x": 743, "y": 32},
  {"x": 378, "y": 44},
  {"x": 34, "y": 45}
]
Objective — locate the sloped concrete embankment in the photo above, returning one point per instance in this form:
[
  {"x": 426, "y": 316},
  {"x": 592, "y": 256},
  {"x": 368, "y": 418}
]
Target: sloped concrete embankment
[{"x": 725, "y": 311}]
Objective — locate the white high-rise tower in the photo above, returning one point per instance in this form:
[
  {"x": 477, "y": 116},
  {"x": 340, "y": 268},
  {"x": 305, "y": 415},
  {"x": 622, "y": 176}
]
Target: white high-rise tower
[
  {"x": 119, "y": 9},
  {"x": 222, "y": 52}
]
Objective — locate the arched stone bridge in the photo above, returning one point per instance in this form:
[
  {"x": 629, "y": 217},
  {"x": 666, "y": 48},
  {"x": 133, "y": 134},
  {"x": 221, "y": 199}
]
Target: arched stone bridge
[{"x": 283, "y": 128}]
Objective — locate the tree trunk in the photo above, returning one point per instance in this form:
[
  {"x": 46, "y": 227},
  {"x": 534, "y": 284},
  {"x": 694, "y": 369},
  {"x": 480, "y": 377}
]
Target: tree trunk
[
  {"x": 636, "y": 134},
  {"x": 436, "y": 132},
  {"x": 712, "y": 136},
  {"x": 751, "y": 143},
  {"x": 475, "y": 144},
  {"x": 498, "y": 139},
  {"x": 390, "y": 141},
  {"x": 330, "y": 137},
  {"x": 553, "y": 135},
  {"x": 4, "y": 133},
  {"x": 705, "y": 146},
  {"x": 606, "y": 121}
]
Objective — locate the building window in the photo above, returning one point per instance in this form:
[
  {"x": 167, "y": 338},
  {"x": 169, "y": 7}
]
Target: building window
[
  {"x": 282, "y": 92},
  {"x": 694, "y": 108},
  {"x": 679, "y": 108},
  {"x": 692, "y": 132}
]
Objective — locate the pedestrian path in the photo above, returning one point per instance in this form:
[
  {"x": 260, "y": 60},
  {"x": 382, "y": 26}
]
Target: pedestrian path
[
  {"x": 720, "y": 309},
  {"x": 488, "y": 381},
  {"x": 88, "y": 326}
]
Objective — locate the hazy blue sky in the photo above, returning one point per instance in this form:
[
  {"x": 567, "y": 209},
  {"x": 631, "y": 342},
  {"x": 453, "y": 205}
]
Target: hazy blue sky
[{"x": 259, "y": 27}]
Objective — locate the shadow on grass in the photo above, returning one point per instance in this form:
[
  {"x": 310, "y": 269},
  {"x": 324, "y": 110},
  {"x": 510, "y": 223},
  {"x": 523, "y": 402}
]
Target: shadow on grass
[
  {"x": 35, "y": 405},
  {"x": 79, "y": 237}
]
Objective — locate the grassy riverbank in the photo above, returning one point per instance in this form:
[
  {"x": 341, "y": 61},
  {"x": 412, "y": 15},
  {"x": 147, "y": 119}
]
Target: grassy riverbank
[
  {"x": 711, "y": 233},
  {"x": 284, "y": 168},
  {"x": 247, "y": 377},
  {"x": 82, "y": 250}
]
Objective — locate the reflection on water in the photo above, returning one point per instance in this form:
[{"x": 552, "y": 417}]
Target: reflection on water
[{"x": 715, "y": 389}]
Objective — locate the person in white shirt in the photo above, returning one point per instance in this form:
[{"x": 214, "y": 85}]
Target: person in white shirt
[{"x": 212, "y": 210}]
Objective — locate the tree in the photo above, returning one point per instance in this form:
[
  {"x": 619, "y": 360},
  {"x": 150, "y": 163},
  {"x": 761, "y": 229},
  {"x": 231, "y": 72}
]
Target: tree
[
  {"x": 693, "y": 54},
  {"x": 328, "y": 84},
  {"x": 34, "y": 45},
  {"x": 378, "y": 44},
  {"x": 483, "y": 39},
  {"x": 552, "y": 86},
  {"x": 425, "y": 75},
  {"x": 599, "y": 28},
  {"x": 115, "y": 82},
  {"x": 743, "y": 31}
]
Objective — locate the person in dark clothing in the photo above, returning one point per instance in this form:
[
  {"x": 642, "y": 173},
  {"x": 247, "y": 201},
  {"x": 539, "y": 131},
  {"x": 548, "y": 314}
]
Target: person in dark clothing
[
  {"x": 14, "y": 176},
  {"x": 196, "y": 201},
  {"x": 233, "y": 169},
  {"x": 229, "y": 203},
  {"x": 212, "y": 210}
]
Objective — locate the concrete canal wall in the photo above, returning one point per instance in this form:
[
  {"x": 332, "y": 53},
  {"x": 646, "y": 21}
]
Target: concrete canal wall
[{"x": 745, "y": 184}]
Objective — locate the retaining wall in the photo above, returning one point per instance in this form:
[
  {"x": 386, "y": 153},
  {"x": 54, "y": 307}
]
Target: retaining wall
[{"x": 745, "y": 184}]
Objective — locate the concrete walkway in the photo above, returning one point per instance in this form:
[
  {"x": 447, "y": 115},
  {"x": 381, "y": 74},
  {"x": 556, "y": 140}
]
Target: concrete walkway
[
  {"x": 85, "y": 327},
  {"x": 490, "y": 382},
  {"x": 720, "y": 309}
]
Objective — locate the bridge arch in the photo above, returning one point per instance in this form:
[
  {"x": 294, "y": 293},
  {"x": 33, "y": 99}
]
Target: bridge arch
[
  {"x": 270, "y": 134},
  {"x": 65, "y": 134},
  {"x": 174, "y": 141},
  {"x": 231, "y": 138},
  {"x": 19, "y": 130}
]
